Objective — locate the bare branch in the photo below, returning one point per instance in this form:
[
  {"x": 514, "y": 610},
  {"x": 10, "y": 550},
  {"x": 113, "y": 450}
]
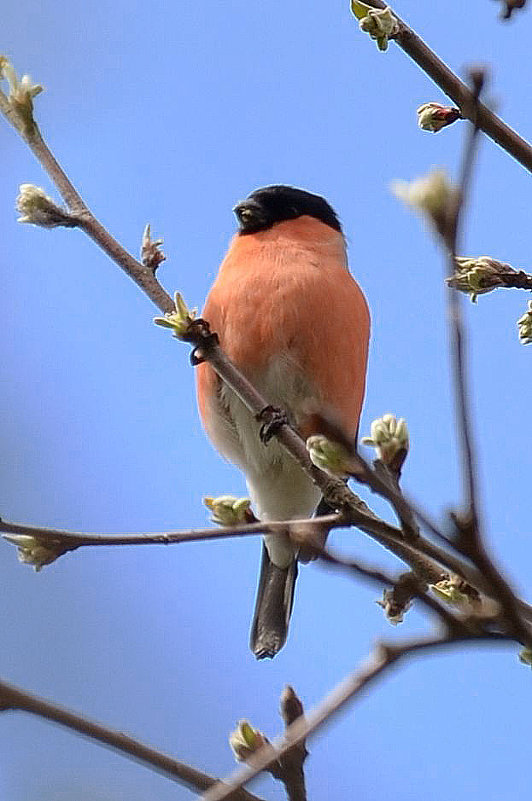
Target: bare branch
[
  {"x": 13, "y": 698},
  {"x": 73, "y": 539},
  {"x": 454, "y": 313}
]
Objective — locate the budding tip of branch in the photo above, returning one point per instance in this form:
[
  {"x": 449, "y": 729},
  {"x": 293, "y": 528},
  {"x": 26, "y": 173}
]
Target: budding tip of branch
[
  {"x": 433, "y": 116},
  {"x": 380, "y": 24},
  {"x": 227, "y": 510},
  {"x": 21, "y": 93},
  {"x": 151, "y": 254},
  {"x": 328, "y": 455},
  {"x": 37, "y": 208},
  {"x": 389, "y": 436},
  {"x": 245, "y": 741},
  {"x": 179, "y": 320},
  {"x": 524, "y": 325},
  {"x": 32, "y": 551}
]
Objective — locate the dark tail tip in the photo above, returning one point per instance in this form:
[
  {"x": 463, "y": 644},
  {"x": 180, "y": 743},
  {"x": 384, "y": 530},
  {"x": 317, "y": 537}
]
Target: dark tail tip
[{"x": 264, "y": 651}]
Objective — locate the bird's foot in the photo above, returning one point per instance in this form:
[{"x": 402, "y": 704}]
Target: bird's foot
[{"x": 273, "y": 419}]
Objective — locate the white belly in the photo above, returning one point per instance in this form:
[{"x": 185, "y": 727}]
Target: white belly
[{"x": 278, "y": 487}]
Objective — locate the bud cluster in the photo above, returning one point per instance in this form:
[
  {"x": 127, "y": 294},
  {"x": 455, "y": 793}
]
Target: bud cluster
[
  {"x": 433, "y": 116},
  {"x": 389, "y": 436},
  {"x": 380, "y": 24},
  {"x": 180, "y": 319},
  {"x": 21, "y": 93},
  {"x": 226, "y": 510}
]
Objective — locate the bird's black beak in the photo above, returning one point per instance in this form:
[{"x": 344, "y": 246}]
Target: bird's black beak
[{"x": 250, "y": 215}]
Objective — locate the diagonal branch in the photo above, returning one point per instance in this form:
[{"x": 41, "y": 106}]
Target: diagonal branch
[
  {"x": 382, "y": 659},
  {"x": 13, "y": 698}
]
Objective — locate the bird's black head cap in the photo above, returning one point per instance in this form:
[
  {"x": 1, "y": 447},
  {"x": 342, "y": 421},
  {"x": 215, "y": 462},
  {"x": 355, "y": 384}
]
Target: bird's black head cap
[{"x": 273, "y": 204}]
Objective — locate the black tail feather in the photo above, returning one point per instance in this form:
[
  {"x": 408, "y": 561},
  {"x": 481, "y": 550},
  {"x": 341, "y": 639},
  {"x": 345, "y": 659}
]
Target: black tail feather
[{"x": 273, "y": 607}]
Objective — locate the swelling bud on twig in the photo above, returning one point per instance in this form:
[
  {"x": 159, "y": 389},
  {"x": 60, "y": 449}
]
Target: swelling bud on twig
[
  {"x": 525, "y": 656},
  {"x": 433, "y": 116},
  {"x": 38, "y": 209},
  {"x": 329, "y": 456},
  {"x": 151, "y": 254},
  {"x": 380, "y": 24},
  {"x": 21, "y": 93},
  {"x": 456, "y": 592},
  {"x": 290, "y": 706},
  {"x": 389, "y": 437},
  {"x": 524, "y": 325},
  {"x": 431, "y": 194},
  {"x": 245, "y": 741},
  {"x": 32, "y": 551},
  {"x": 180, "y": 319},
  {"x": 226, "y": 510},
  {"x": 476, "y": 276}
]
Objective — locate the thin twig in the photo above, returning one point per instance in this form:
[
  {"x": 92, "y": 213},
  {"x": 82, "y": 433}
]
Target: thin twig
[
  {"x": 13, "y": 698},
  {"x": 457, "y": 626},
  {"x": 457, "y": 333},
  {"x": 73, "y": 539},
  {"x": 426, "y": 558},
  {"x": 469, "y": 533}
]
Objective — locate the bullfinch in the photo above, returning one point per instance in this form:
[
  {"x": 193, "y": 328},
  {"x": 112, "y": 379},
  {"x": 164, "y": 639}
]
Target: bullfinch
[{"x": 291, "y": 317}]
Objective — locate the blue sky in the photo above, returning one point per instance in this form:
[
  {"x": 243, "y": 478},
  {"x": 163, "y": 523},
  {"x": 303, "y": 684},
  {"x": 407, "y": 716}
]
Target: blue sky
[{"x": 169, "y": 114}]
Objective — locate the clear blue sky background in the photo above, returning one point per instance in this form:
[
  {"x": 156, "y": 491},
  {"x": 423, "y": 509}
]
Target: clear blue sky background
[{"x": 169, "y": 113}]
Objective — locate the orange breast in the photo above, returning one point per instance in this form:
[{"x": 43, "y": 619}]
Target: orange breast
[{"x": 287, "y": 291}]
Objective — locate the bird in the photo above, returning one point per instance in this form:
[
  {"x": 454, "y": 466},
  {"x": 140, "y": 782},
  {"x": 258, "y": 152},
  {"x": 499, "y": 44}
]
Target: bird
[{"x": 293, "y": 320}]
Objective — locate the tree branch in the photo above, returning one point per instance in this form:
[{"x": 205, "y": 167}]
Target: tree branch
[
  {"x": 72, "y": 539},
  {"x": 383, "y": 657},
  {"x": 457, "y": 333},
  {"x": 14, "y": 698}
]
